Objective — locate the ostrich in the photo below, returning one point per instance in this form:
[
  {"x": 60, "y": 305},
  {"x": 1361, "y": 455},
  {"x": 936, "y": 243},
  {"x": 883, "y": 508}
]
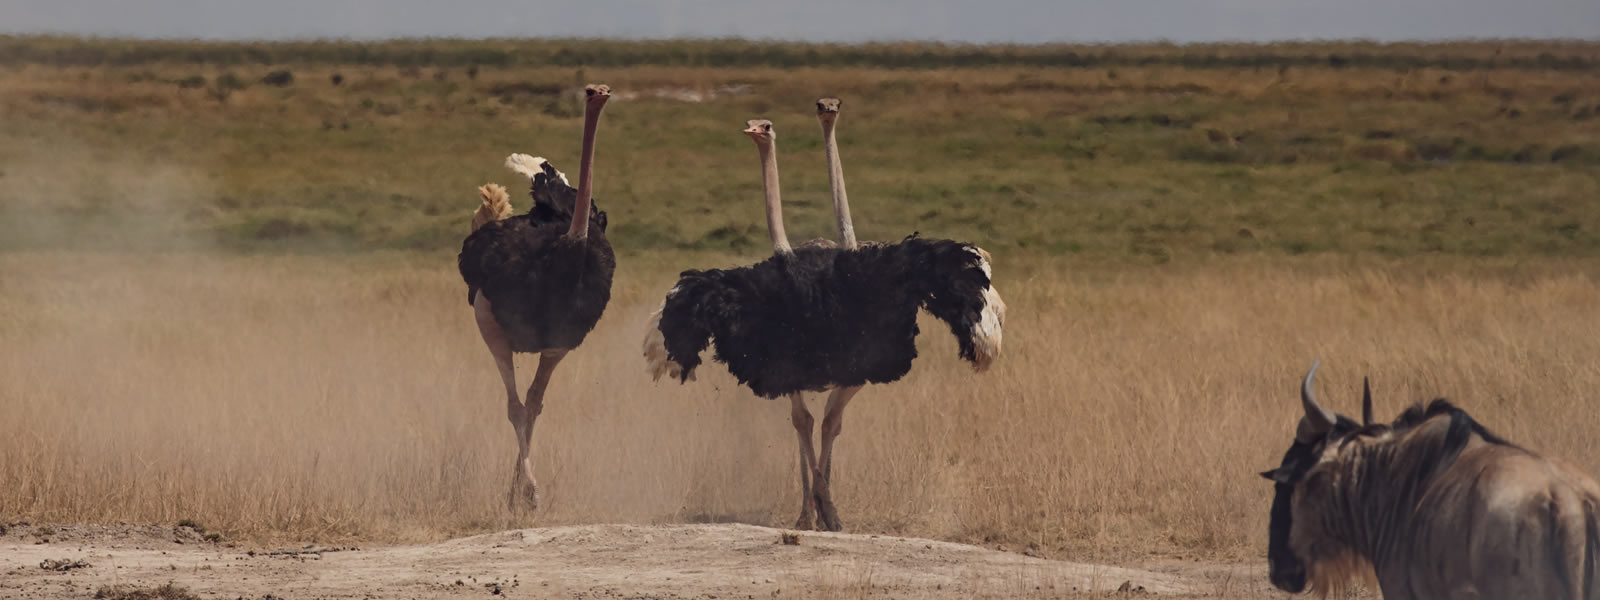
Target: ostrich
[
  {"x": 811, "y": 319},
  {"x": 538, "y": 282}
]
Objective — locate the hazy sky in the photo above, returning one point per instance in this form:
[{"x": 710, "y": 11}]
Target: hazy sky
[{"x": 819, "y": 20}]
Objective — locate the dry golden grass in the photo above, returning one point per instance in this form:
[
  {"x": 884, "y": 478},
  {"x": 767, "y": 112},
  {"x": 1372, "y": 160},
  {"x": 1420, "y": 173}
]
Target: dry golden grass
[{"x": 293, "y": 398}]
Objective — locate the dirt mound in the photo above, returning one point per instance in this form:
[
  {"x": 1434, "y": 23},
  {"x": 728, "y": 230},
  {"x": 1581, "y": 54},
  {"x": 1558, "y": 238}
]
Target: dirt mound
[{"x": 591, "y": 561}]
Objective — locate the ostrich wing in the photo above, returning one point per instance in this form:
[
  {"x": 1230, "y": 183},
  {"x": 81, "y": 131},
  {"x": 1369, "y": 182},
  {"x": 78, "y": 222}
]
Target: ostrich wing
[
  {"x": 553, "y": 196},
  {"x": 685, "y": 323},
  {"x": 954, "y": 279}
]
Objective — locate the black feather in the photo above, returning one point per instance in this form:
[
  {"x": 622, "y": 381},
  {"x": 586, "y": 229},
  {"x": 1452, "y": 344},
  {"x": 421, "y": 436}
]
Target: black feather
[
  {"x": 547, "y": 291},
  {"x": 553, "y": 199},
  {"x": 824, "y": 317}
]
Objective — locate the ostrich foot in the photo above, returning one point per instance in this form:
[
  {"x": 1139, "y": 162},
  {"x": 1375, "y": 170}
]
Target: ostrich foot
[
  {"x": 523, "y": 495},
  {"x": 524, "y": 491},
  {"x": 803, "y": 523},
  {"x": 827, "y": 515},
  {"x": 530, "y": 495}
]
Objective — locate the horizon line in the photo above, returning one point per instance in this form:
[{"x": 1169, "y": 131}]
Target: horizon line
[{"x": 99, "y": 37}]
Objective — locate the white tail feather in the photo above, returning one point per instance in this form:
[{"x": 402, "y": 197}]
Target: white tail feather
[
  {"x": 988, "y": 332},
  {"x": 655, "y": 348},
  {"x": 529, "y": 166}
]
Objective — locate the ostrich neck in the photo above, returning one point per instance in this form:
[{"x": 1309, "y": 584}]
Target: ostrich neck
[
  {"x": 841, "y": 203},
  {"x": 769, "y": 182},
  {"x": 581, "y": 206}
]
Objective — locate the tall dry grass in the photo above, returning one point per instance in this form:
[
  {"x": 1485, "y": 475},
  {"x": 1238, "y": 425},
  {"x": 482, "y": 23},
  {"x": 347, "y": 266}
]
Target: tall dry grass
[{"x": 284, "y": 397}]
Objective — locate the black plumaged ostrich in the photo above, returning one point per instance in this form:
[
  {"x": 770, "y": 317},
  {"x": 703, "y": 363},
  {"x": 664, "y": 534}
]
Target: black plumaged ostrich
[
  {"x": 538, "y": 282},
  {"x": 811, "y": 319}
]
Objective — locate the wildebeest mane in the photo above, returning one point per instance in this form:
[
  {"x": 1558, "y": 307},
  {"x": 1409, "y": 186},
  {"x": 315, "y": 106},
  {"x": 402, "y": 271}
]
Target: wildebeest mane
[
  {"x": 1459, "y": 418},
  {"x": 1461, "y": 423},
  {"x": 1440, "y": 453}
]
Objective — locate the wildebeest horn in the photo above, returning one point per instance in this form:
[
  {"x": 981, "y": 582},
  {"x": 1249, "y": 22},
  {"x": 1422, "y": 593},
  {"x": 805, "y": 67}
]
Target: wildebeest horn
[
  {"x": 1318, "y": 420},
  {"x": 1366, "y": 402}
]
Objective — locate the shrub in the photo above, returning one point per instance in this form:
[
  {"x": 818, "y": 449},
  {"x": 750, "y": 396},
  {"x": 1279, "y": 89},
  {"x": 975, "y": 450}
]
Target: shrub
[{"x": 279, "y": 79}]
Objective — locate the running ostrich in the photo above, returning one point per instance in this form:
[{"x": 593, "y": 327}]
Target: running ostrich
[
  {"x": 811, "y": 319},
  {"x": 538, "y": 282}
]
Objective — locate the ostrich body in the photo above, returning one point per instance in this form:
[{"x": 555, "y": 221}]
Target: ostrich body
[
  {"x": 821, "y": 318},
  {"x": 816, "y": 318},
  {"x": 538, "y": 282}
]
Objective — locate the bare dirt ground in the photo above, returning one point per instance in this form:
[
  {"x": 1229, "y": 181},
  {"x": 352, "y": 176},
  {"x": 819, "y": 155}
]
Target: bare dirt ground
[{"x": 581, "y": 562}]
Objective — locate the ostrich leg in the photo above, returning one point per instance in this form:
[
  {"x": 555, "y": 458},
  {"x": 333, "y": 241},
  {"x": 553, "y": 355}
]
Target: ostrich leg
[
  {"x": 832, "y": 422},
  {"x": 808, "y": 462},
  {"x": 523, "y": 470},
  {"x": 500, "y": 348}
]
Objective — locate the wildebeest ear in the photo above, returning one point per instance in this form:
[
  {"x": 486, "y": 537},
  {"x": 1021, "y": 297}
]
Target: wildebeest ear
[
  {"x": 1276, "y": 476},
  {"x": 1366, "y": 402}
]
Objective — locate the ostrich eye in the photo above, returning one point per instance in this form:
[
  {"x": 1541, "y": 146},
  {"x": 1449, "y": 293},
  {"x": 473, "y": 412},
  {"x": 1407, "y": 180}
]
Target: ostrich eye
[
  {"x": 589, "y": 91},
  {"x": 766, "y": 128}
]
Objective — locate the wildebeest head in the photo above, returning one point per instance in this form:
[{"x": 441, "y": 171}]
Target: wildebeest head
[{"x": 1319, "y": 429}]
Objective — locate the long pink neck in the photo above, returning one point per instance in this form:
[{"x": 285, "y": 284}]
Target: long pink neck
[
  {"x": 769, "y": 182},
  {"x": 841, "y": 203},
  {"x": 580, "y": 208}
]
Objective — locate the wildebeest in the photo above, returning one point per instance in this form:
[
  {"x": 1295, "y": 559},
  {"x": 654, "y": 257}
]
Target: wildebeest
[{"x": 1433, "y": 505}]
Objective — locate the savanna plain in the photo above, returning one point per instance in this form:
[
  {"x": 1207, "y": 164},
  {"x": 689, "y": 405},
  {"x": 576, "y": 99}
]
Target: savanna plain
[{"x": 230, "y": 319}]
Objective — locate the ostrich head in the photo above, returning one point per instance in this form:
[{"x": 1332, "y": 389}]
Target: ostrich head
[
  {"x": 765, "y": 137},
  {"x": 596, "y": 94},
  {"x": 828, "y": 109},
  {"x": 761, "y": 131}
]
